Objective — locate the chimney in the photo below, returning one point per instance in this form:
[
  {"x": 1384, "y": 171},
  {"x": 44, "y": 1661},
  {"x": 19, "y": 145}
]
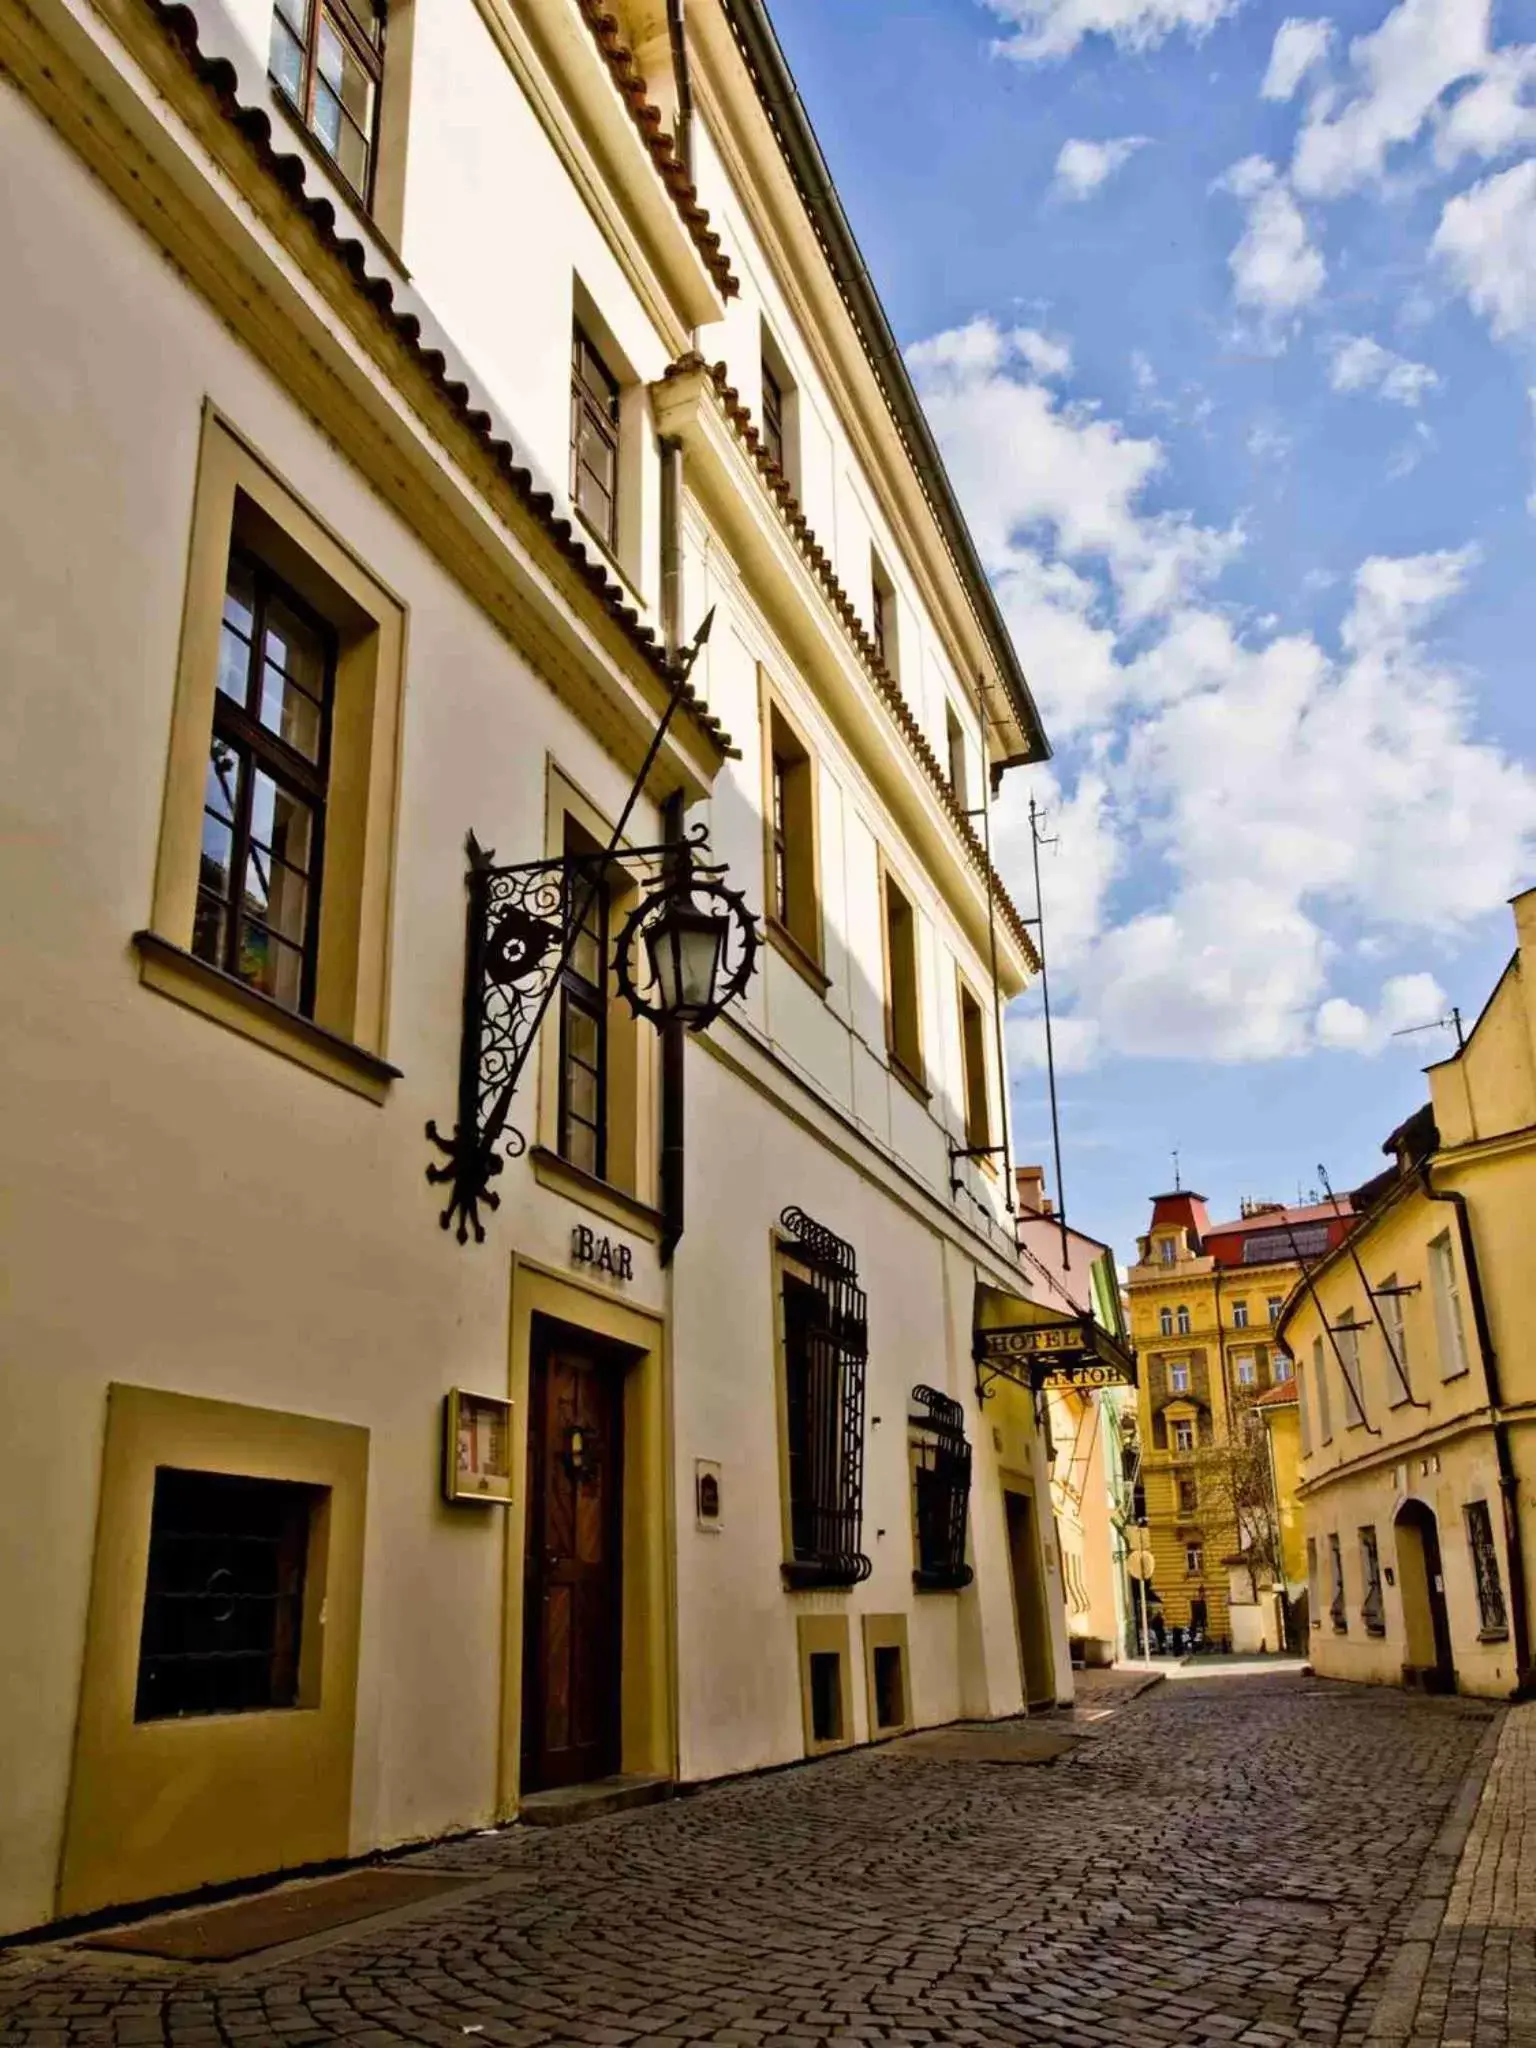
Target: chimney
[{"x": 1030, "y": 1183}]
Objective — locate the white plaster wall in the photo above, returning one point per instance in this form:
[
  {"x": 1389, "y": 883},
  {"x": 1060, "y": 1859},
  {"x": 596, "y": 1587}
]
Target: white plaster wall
[{"x": 132, "y": 1123}]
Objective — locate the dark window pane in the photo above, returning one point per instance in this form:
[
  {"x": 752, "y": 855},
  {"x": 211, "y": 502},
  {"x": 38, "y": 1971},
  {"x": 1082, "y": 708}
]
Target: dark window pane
[
  {"x": 581, "y": 1147},
  {"x": 270, "y": 964},
  {"x": 213, "y": 867},
  {"x": 234, "y": 664},
  {"x": 281, "y": 821},
  {"x": 220, "y": 784},
  {"x": 209, "y": 924},
  {"x": 287, "y": 61}
]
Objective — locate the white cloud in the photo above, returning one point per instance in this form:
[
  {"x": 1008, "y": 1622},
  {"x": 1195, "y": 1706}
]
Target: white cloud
[
  {"x": 1487, "y": 241},
  {"x": 1299, "y": 47},
  {"x": 1407, "y": 1002},
  {"x": 1082, "y": 167},
  {"x": 1358, "y": 363},
  {"x": 1275, "y": 269},
  {"x": 1046, "y": 354},
  {"x": 1228, "y": 797},
  {"x": 1041, "y": 31},
  {"x": 1401, "y": 80}
]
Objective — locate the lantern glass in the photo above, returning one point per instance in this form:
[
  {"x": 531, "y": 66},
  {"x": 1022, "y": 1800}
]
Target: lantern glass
[{"x": 686, "y": 946}]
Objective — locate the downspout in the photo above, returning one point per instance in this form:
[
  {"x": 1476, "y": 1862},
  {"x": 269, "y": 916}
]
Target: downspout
[
  {"x": 673, "y": 1050},
  {"x": 682, "y": 129},
  {"x": 1509, "y": 1494}
]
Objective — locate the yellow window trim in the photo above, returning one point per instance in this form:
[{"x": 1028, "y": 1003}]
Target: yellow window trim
[
  {"x": 822, "y": 1635},
  {"x": 989, "y": 1133},
  {"x": 805, "y": 951},
  {"x": 598, "y": 1196},
  {"x": 912, "y": 1074},
  {"x": 886, "y": 1632},
  {"x": 236, "y": 491}
]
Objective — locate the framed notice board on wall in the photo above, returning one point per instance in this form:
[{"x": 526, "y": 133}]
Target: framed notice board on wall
[{"x": 477, "y": 1448}]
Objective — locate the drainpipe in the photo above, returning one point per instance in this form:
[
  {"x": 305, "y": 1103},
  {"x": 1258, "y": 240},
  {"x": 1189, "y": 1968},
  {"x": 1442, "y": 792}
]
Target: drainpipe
[
  {"x": 673, "y": 1051},
  {"x": 682, "y": 128},
  {"x": 1509, "y": 1492}
]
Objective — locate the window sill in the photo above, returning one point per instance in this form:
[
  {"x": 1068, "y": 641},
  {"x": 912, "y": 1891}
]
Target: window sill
[
  {"x": 910, "y": 1081},
  {"x": 804, "y": 962},
  {"x": 813, "y": 1574},
  {"x": 327, "y": 163},
  {"x": 613, "y": 1204},
  {"x": 954, "y": 1581},
  {"x": 173, "y": 972},
  {"x": 1493, "y": 1635}
]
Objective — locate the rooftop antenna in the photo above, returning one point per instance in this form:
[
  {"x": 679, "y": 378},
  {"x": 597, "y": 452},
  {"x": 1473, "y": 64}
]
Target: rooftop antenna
[
  {"x": 1450, "y": 1023},
  {"x": 1178, "y": 1185}
]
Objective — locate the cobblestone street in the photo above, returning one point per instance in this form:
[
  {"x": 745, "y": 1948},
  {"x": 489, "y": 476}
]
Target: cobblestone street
[{"x": 1221, "y": 1859}]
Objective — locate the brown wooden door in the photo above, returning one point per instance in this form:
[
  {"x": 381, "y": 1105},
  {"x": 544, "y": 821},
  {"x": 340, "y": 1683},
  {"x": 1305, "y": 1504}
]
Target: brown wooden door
[{"x": 571, "y": 1581}]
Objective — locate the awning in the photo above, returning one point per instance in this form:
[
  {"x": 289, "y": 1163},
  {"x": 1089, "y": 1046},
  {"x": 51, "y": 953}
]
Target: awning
[{"x": 1043, "y": 1349}]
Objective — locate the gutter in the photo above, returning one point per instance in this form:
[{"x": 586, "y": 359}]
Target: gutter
[
  {"x": 1509, "y": 1497},
  {"x": 781, "y": 101}
]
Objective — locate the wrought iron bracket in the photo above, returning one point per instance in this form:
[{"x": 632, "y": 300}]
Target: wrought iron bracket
[{"x": 958, "y": 1152}]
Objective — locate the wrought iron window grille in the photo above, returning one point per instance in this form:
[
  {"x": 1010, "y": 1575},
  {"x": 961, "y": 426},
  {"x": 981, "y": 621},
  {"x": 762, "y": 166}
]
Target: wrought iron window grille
[
  {"x": 1493, "y": 1617},
  {"x": 1372, "y": 1609},
  {"x": 826, "y": 1354},
  {"x": 522, "y": 926},
  {"x": 941, "y": 1480}
]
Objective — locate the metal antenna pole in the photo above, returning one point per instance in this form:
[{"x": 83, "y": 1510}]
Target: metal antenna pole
[{"x": 1050, "y": 1046}]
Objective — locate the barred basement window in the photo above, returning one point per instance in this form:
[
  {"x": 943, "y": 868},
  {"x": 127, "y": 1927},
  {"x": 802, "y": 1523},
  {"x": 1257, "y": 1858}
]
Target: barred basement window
[
  {"x": 941, "y": 1490},
  {"x": 224, "y": 1605},
  {"x": 1371, "y": 1610},
  {"x": 826, "y": 1349},
  {"x": 1492, "y": 1618},
  {"x": 1337, "y": 1611}
]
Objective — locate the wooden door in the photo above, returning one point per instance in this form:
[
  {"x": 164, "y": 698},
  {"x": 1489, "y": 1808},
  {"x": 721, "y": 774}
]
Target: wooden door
[{"x": 571, "y": 1581}]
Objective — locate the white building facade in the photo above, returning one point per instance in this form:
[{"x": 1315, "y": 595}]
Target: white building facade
[{"x": 390, "y": 395}]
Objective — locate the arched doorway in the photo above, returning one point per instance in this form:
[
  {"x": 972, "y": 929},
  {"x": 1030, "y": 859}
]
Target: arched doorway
[{"x": 1427, "y": 1663}]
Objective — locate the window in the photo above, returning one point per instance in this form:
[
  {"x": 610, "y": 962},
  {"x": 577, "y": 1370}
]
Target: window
[
  {"x": 941, "y": 1490},
  {"x": 1272, "y": 1307},
  {"x": 792, "y": 888},
  {"x": 1372, "y": 1613},
  {"x": 1394, "y": 1341},
  {"x": 903, "y": 1035},
  {"x": 1184, "y": 1436},
  {"x": 1246, "y": 1368},
  {"x": 1194, "y": 1560},
  {"x": 825, "y": 1350},
  {"x": 1493, "y": 1621},
  {"x": 882, "y": 615},
  {"x": 258, "y": 893},
  {"x": 1178, "y": 1378},
  {"x": 594, "y": 440},
  {"x": 1189, "y": 1497},
  {"x": 1182, "y": 1318},
  {"x": 1285, "y": 1367},
  {"x": 1320, "y": 1388},
  {"x": 1338, "y": 1613},
  {"x": 1303, "y": 1412},
  {"x": 1168, "y": 1250},
  {"x": 1165, "y": 1321},
  {"x": 1446, "y": 1290},
  {"x": 890, "y": 1687},
  {"x": 327, "y": 60},
  {"x": 583, "y": 1121},
  {"x": 1239, "y": 1315},
  {"x": 954, "y": 747},
  {"x": 773, "y": 415},
  {"x": 1314, "y": 1595},
  {"x": 224, "y": 1604},
  {"x": 271, "y": 905},
  {"x": 1347, "y": 1336},
  {"x": 973, "y": 1060},
  {"x": 826, "y": 1696}
]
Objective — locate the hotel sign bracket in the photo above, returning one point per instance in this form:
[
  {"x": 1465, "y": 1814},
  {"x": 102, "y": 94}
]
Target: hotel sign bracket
[{"x": 1070, "y": 1353}]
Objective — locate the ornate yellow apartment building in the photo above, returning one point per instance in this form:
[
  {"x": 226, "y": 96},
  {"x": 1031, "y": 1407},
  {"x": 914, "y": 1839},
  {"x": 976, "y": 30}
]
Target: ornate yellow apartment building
[{"x": 1204, "y": 1302}]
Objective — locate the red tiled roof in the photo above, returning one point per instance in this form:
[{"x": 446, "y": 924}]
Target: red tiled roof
[
  {"x": 1277, "y": 1396},
  {"x": 1276, "y": 1219}
]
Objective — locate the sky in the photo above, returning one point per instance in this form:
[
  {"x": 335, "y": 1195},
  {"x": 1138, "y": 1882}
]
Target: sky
[{"x": 1225, "y": 319}]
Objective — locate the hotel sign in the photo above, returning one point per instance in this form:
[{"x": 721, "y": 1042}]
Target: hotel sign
[{"x": 1071, "y": 1353}]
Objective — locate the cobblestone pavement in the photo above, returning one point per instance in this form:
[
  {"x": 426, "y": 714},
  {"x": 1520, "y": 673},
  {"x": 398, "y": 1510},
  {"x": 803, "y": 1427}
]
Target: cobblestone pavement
[{"x": 1221, "y": 1859}]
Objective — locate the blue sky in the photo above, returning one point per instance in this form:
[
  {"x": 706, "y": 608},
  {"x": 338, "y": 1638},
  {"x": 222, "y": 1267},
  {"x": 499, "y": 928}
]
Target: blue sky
[{"x": 1226, "y": 319}]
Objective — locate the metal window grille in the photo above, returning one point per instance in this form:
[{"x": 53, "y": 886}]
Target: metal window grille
[
  {"x": 1492, "y": 1617},
  {"x": 1337, "y": 1611},
  {"x": 327, "y": 60},
  {"x": 258, "y": 896},
  {"x": 941, "y": 1482},
  {"x": 224, "y": 1602},
  {"x": 826, "y": 1350},
  {"x": 1372, "y": 1613}
]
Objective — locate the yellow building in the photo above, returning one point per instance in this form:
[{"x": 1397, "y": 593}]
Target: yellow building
[
  {"x": 1417, "y": 1379},
  {"x": 1204, "y": 1301}
]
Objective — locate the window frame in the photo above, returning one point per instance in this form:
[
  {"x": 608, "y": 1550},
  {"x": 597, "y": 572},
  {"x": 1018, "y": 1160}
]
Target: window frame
[
  {"x": 1194, "y": 1560},
  {"x": 1179, "y": 1376},
  {"x": 1394, "y": 1341},
  {"x": 903, "y": 977},
  {"x": 1181, "y": 1319},
  {"x": 1372, "y": 1604},
  {"x": 793, "y": 917},
  {"x": 370, "y": 55},
  {"x": 1322, "y": 1393},
  {"x": 1180, "y": 1449},
  {"x": 591, "y": 1000},
  {"x": 956, "y": 756},
  {"x": 1487, "y": 1580},
  {"x": 1165, "y": 1322},
  {"x": 608, "y": 427},
  {"x": 1445, "y": 1293},
  {"x": 975, "y": 1073},
  {"x": 1338, "y": 1605},
  {"x": 1240, "y": 1314},
  {"x": 239, "y": 500},
  {"x": 884, "y": 618}
]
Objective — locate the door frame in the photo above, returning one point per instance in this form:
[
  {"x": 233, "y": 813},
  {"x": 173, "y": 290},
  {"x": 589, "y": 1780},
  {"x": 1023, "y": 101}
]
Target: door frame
[
  {"x": 1032, "y": 1632},
  {"x": 1420, "y": 1562},
  {"x": 648, "y": 1659}
]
